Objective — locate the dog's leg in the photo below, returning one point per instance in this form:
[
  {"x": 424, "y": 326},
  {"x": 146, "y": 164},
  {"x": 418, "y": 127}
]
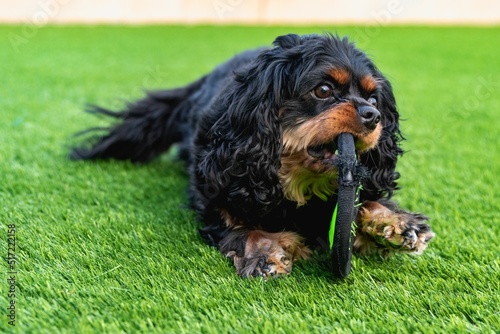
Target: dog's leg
[
  {"x": 385, "y": 228},
  {"x": 260, "y": 253}
]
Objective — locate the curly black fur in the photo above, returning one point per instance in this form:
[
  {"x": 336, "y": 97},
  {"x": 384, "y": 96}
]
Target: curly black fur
[{"x": 230, "y": 123}]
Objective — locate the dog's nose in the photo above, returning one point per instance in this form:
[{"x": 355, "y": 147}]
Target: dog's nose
[{"x": 370, "y": 116}]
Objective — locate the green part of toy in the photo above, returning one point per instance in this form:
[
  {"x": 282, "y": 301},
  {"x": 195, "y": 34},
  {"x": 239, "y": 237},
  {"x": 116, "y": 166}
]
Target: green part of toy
[{"x": 331, "y": 232}]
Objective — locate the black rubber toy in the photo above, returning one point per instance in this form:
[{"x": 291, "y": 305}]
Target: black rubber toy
[{"x": 341, "y": 250}]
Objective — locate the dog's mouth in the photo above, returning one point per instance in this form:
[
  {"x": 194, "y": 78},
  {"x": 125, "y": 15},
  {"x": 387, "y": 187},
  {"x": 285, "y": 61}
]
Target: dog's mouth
[{"x": 326, "y": 153}]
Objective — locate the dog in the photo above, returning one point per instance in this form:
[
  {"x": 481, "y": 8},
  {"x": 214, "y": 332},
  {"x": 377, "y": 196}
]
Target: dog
[{"x": 258, "y": 136}]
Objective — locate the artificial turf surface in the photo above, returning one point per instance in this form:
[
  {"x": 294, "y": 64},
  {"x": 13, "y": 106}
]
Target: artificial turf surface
[{"x": 107, "y": 247}]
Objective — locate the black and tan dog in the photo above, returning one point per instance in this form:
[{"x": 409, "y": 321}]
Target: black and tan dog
[{"x": 258, "y": 135}]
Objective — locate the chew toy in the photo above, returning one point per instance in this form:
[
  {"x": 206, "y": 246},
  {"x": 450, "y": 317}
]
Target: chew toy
[{"x": 342, "y": 224}]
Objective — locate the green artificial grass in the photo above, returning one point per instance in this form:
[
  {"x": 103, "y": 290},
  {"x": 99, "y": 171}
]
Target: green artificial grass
[{"x": 108, "y": 247}]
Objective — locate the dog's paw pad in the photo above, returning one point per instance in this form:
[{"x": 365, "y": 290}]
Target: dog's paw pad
[
  {"x": 265, "y": 266},
  {"x": 385, "y": 230},
  {"x": 407, "y": 237},
  {"x": 266, "y": 254}
]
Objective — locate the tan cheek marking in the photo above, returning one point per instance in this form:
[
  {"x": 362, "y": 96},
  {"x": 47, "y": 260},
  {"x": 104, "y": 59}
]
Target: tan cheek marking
[
  {"x": 321, "y": 128},
  {"x": 371, "y": 140},
  {"x": 328, "y": 125}
]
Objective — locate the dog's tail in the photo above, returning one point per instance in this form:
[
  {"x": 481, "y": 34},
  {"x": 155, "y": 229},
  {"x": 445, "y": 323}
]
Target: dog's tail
[{"x": 146, "y": 128}]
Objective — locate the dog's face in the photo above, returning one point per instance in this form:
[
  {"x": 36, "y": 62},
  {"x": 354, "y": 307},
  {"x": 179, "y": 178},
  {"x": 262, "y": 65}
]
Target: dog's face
[
  {"x": 277, "y": 126},
  {"x": 334, "y": 91}
]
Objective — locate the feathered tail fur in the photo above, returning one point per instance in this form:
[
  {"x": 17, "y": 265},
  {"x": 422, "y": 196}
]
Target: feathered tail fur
[{"x": 146, "y": 128}]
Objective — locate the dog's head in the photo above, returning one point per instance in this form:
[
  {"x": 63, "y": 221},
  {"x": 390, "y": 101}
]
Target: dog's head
[
  {"x": 289, "y": 106},
  {"x": 335, "y": 89}
]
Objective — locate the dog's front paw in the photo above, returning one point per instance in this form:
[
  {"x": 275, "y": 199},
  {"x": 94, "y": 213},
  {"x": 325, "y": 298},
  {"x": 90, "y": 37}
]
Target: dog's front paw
[
  {"x": 380, "y": 228},
  {"x": 262, "y": 254},
  {"x": 405, "y": 236},
  {"x": 263, "y": 265}
]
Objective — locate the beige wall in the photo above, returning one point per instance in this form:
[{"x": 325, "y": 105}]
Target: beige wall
[{"x": 41, "y": 12}]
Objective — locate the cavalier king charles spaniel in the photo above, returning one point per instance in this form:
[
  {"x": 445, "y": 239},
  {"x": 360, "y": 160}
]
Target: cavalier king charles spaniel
[{"x": 258, "y": 135}]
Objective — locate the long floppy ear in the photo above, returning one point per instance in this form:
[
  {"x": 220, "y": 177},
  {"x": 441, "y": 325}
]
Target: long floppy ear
[
  {"x": 381, "y": 161},
  {"x": 238, "y": 157}
]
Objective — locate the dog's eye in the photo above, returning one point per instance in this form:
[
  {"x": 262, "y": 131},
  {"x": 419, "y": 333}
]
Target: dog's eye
[
  {"x": 373, "y": 101},
  {"x": 323, "y": 91}
]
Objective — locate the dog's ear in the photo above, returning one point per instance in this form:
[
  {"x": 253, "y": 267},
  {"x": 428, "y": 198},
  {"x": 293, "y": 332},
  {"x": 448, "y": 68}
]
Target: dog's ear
[
  {"x": 241, "y": 158},
  {"x": 287, "y": 41},
  {"x": 381, "y": 161},
  {"x": 290, "y": 41}
]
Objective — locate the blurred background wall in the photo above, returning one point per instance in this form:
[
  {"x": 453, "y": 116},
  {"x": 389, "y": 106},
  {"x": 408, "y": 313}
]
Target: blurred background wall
[{"x": 38, "y": 12}]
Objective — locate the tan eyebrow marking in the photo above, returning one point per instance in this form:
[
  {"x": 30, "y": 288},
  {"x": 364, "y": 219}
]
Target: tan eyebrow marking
[
  {"x": 340, "y": 76},
  {"x": 369, "y": 83}
]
